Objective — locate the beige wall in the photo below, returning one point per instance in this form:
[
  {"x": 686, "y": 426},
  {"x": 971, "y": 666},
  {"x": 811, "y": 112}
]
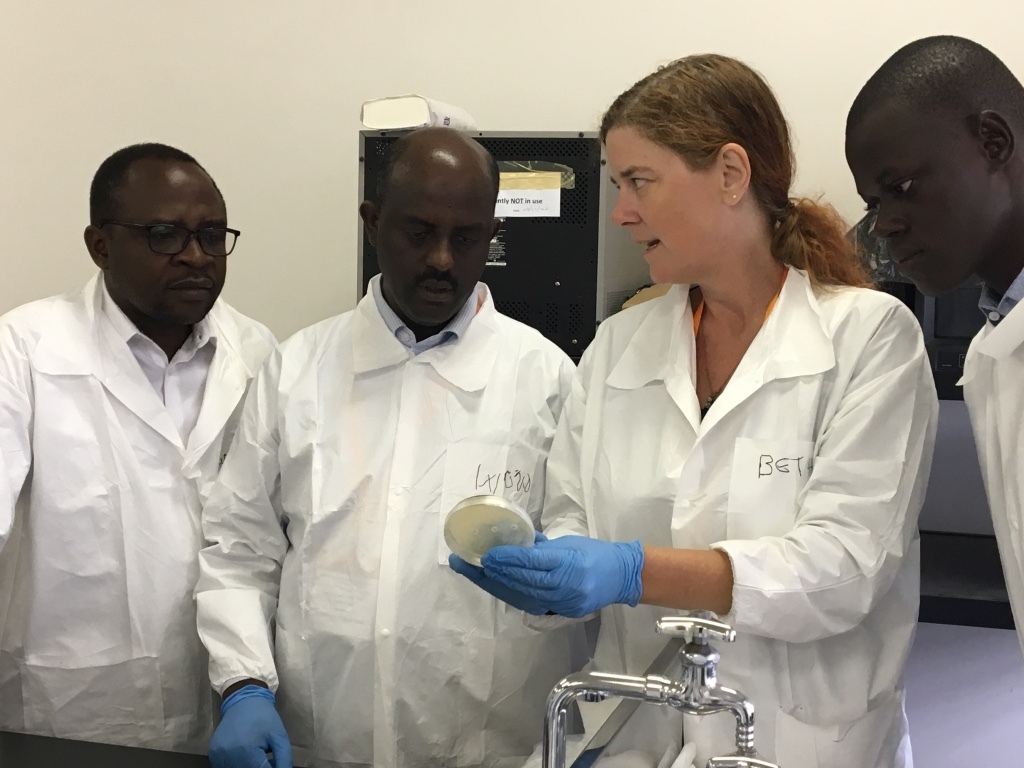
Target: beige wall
[{"x": 267, "y": 94}]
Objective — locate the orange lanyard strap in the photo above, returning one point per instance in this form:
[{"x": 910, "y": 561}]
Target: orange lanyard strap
[{"x": 699, "y": 311}]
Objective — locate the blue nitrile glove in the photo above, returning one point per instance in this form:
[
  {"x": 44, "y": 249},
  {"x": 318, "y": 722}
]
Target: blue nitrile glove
[
  {"x": 572, "y": 575},
  {"x": 496, "y": 589},
  {"x": 249, "y": 728}
]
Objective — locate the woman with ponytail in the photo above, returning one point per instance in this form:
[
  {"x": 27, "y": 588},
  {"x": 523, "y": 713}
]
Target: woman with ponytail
[{"x": 754, "y": 443}]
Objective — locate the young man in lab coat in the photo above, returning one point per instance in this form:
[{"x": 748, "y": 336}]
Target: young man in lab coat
[
  {"x": 932, "y": 143},
  {"x": 117, "y": 403},
  {"x": 327, "y": 576}
]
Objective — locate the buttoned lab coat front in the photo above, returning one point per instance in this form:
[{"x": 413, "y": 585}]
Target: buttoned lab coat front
[
  {"x": 99, "y": 518},
  {"x": 327, "y": 519},
  {"x": 993, "y": 383},
  {"x": 809, "y": 472}
]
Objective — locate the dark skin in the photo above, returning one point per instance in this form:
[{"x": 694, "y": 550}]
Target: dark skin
[
  {"x": 431, "y": 234},
  {"x": 433, "y": 230},
  {"x": 164, "y": 296},
  {"x": 949, "y": 192}
]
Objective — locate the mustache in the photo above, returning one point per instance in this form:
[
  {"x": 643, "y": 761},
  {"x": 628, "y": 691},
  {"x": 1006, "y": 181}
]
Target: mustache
[{"x": 437, "y": 276}]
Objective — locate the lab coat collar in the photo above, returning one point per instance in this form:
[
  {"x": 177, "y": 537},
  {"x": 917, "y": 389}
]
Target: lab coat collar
[
  {"x": 374, "y": 346},
  {"x": 1004, "y": 339},
  {"x": 996, "y": 341},
  {"x": 468, "y": 361},
  {"x": 226, "y": 381},
  {"x": 651, "y": 356},
  {"x": 654, "y": 356},
  {"x": 89, "y": 345},
  {"x": 793, "y": 342},
  {"x": 465, "y": 363}
]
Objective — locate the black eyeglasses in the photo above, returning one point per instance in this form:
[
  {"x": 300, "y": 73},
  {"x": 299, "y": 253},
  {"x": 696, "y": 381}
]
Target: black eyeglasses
[{"x": 170, "y": 239}]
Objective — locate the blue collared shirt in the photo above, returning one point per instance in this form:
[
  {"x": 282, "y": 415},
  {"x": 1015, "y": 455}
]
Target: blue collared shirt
[
  {"x": 997, "y": 307},
  {"x": 456, "y": 327}
]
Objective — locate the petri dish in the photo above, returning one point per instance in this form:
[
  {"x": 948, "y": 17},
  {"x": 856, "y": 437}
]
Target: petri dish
[{"x": 478, "y": 523}]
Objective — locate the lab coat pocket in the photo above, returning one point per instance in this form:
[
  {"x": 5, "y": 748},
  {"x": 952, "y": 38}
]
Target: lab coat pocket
[
  {"x": 766, "y": 478},
  {"x": 875, "y": 740},
  {"x": 114, "y": 703},
  {"x": 474, "y": 468}
]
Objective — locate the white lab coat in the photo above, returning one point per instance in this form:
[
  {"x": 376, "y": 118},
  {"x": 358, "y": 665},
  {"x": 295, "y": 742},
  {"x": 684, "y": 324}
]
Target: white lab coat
[
  {"x": 327, "y": 518},
  {"x": 993, "y": 383},
  {"x": 101, "y": 502},
  {"x": 808, "y": 472}
]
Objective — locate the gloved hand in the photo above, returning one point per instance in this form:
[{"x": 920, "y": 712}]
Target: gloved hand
[
  {"x": 249, "y": 728},
  {"x": 571, "y": 576},
  {"x": 515, "y": 599}
]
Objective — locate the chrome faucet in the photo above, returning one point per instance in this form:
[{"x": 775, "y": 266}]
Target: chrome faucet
[
  {"x": 738, "y": 761},
  {"x": 697, "y": 692}
]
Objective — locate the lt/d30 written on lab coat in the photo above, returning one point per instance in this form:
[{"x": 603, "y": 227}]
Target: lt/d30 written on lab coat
[{"x": 327, "y": 519}]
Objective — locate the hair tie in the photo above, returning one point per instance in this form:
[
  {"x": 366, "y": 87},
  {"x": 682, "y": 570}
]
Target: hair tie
[{"x": 786, "y": 209}]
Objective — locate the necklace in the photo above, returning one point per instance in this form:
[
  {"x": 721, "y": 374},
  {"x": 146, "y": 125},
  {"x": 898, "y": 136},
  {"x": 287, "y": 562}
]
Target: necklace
[
  {"x": 714, "y": 393},
  {"x": 698, "y": 313}
]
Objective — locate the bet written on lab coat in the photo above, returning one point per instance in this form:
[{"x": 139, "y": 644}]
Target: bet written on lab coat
[
  {"x": 328, "y": 518},
  {"x": 809, "y": 472},
  {"x": 102, "y": 504},
  {"x": 993, "y": 383}
]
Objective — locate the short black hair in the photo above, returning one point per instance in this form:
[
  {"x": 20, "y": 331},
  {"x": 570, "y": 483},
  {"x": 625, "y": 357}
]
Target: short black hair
[
  {"x": 110, "y": 175},
  {"x": 943, "y": 73},
  {"x": 394, "y": 153}
]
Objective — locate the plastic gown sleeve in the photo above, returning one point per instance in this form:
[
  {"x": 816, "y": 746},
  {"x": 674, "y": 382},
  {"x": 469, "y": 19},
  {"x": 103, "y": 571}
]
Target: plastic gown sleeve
[
  {"x": 858, "y": 512},
  {"x": 243, "y": 524},
  {"x": 564, "y": 513},
  {"x": 572, "y": 390},
  {"x": 16, "y": 406}
]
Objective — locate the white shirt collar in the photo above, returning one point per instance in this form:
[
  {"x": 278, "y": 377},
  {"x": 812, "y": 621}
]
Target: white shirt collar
[
  {"x": 202, "y": 332},
  {"x": 453, "y": 331}
]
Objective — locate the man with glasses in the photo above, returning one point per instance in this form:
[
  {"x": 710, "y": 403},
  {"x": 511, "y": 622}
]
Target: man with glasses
[{"x": 117, "y": 404}]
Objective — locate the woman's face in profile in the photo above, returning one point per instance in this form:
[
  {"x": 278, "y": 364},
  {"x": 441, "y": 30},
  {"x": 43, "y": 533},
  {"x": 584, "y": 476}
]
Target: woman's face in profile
[{"x": 670, "y": 209}]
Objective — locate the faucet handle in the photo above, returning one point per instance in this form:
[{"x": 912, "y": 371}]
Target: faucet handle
[
  {"x": 695, "y": 629},
  {"x": 739, "y": 761}
]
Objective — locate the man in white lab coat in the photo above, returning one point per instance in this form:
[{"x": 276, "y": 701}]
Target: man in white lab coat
[
  {"x": 932, "y": 143},
  {"x": 326, "y": 579},
  {"x": 117, "y": 403}
]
